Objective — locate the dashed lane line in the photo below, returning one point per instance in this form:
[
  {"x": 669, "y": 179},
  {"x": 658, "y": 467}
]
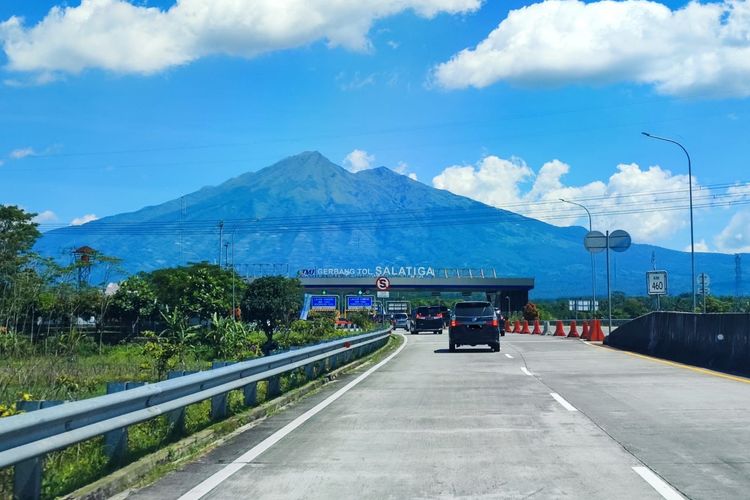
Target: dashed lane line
[
  {"x": 657, "y": 483},
  {"x": 563, "y": 402}
]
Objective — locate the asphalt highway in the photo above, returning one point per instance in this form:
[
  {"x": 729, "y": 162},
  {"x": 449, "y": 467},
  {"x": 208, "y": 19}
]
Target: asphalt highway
[{"x": 543, "y": 418}]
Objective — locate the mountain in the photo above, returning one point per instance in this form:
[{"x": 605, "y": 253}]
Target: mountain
[{"x": 306, "y": 212}]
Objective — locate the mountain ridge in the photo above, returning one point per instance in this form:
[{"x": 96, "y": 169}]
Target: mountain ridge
[{"x": 306, "y": 211}]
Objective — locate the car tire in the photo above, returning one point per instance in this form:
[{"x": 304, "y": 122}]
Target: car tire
[
  {"x": 495, "y": 347},
  {"x": 452, "y": 347}
]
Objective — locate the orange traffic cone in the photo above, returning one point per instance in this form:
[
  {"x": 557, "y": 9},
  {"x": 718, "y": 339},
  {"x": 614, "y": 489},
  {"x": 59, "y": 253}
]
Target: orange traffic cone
[
  {"x": 597, "y": 335},
  {"x": 585, "y": 334},
  {"x": 508, "y": 328},
  {"x": 537, "y": 328},
  {"x": 573, "y": 334},
  {"x": 559, "y": 332},
  {"x": 517, "y": 327},
  {"x": 525, "y": 327}
]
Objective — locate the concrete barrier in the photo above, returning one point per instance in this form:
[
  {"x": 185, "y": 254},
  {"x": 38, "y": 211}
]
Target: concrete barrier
[{"x": 717, "y": 341}]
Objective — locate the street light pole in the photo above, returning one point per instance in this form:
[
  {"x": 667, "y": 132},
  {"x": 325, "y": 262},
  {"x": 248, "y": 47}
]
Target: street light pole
[
  {"x": 593, "y": 260},
  {"x": 690, "y": 191},
  {"x": 507, "y": 297}
]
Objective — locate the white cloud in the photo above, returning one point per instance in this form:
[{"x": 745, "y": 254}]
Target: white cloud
[
  {"x": 735, "y": 238},
  {"x": 45, "y": 216},
  {"x": 741, "y": 191},
  {"x": 403, "y": 169},
  {"x": 83, "y": 219},
  {"x": 697, "y": 49},
  {"x": 356, "y": 82},
  {"x": 700, "y": 246},
  {"x": 118, "y": 36},
  {"x": 513, "y": 185},
  {"x": 18, "y": 154},
  {"x": 358, "y": 160}
]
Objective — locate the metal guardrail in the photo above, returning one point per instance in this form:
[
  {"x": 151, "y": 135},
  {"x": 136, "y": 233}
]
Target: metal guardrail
[{"x": 32, "y": 435}]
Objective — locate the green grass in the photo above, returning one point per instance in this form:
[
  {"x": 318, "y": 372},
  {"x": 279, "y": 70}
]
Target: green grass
[{"x": 83, "y": 376}]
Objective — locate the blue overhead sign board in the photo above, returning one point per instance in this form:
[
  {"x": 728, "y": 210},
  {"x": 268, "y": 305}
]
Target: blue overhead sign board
[
  {"x": 354, "y": 302},
  {"x": 324, "y": 302}
]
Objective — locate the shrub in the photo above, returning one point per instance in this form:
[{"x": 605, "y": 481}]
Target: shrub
[{"x": 530, "y": 312}]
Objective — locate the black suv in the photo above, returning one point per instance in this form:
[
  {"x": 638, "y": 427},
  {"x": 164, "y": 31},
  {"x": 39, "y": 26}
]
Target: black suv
[
  {"x": 427, "y": 319},
  {"x": 474, "y": 323}
]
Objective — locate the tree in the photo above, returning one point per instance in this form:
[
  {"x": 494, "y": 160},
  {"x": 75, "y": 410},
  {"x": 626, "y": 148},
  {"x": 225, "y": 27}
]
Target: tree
[
  {"x": 135, "y": 299},
  {"x": 18, "y": 233},
  {"x": 18, "y": 280},
  {"x": 198, "y": 289},
  {"x": 530, "y": 312},
  {"x": 272, "y": 302}
]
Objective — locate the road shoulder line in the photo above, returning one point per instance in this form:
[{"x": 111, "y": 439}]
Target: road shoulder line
[
  {"x": 677, "y": 364},
  {"x": 217, "y": 478}
]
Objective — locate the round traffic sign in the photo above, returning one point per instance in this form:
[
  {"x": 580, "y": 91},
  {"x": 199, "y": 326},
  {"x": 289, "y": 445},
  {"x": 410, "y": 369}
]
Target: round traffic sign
[
  {"x": 382, "y": 283},
  {"x": 619, "y": 240},
  {"x": 595, "y": 241}
]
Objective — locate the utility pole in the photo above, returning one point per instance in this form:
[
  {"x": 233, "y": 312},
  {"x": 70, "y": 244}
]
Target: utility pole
[
  {"x": 234, "y": 271},
  {"x": 182, "y": 213},
  {"x": 221, "y": 238},
  {"x": 737, "y": 280}
]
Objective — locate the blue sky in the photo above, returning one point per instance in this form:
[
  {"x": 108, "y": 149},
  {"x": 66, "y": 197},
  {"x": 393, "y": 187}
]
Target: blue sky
[{"x": 107, "y": 106}]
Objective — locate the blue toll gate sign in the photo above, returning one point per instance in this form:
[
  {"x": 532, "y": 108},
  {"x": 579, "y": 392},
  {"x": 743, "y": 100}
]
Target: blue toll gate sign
[
  {"x": 358, "y": 302},
  {"x": 324, "y": 302}
]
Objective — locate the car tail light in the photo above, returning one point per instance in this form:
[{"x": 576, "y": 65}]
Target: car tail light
[
  {"x": 439, "y": 315},
  {"x": 420, "y": 316},
  {"x": 454, "y": 322},
  {"x": 494, "y": 323}
]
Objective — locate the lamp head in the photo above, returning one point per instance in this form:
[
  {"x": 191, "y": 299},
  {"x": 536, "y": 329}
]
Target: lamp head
[{"x": 646, "y": 134}]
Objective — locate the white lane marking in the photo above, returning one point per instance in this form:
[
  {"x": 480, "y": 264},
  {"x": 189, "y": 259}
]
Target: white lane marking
[
  {"x": 217, "y": 478},
  {"x": 508, "y": 356},
  {"x": 527, "y": 372},
  {"x": 658, "y": 483},
  {"x": 563, "y": 402}
]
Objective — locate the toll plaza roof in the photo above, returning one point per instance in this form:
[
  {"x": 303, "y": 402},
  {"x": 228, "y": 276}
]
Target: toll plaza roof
[{"x": 452, "y": 284}]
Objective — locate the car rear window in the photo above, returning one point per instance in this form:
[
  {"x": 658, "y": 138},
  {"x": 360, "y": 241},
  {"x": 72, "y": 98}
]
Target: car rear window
[
  {"x": 474, "y": 309},
  {"x": 400, "y": 315},
  {"x": 423, "y": 310}
]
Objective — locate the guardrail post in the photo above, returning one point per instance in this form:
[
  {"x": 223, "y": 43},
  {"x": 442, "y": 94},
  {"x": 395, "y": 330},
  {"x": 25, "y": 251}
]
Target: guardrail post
[
  {"x": 116, "y": 441},
  {"x": 274, "y": 387},
  {"x": 176, "y": 418},
  {"x": 250, "y": 394},
  {"x": 220, "y": 402},
  {"x": 27, "y": 475},
  {"x": 310, "y": 371}
]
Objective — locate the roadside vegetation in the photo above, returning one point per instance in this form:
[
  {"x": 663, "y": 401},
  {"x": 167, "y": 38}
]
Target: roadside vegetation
[{"x": 65, "y": 332}]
